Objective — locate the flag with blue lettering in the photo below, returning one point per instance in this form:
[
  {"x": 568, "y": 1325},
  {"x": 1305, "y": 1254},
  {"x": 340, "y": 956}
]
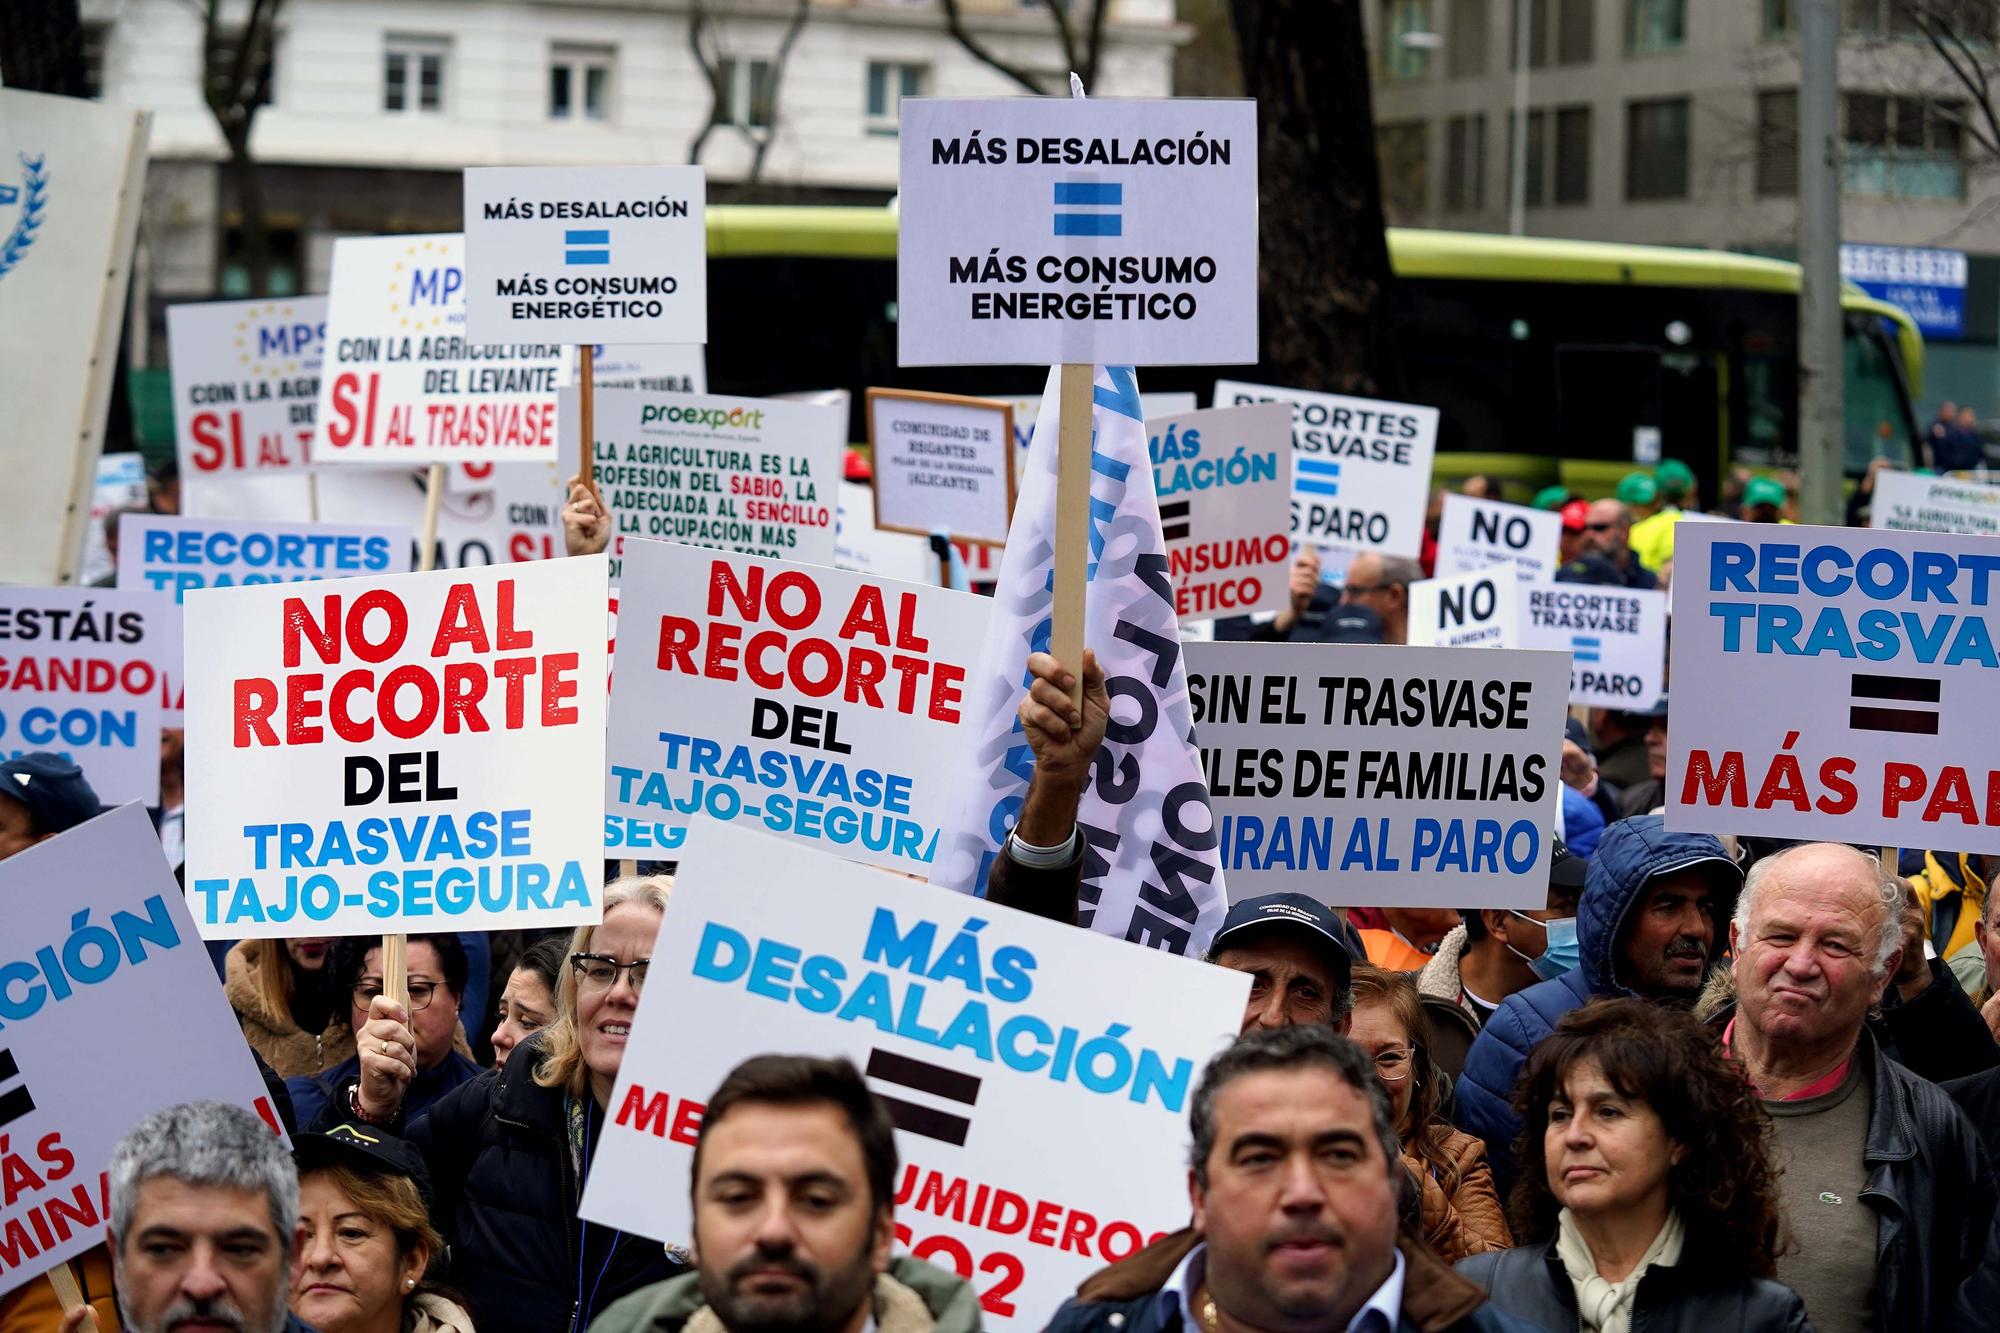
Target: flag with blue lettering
[{"x": 1151, "y": 873}]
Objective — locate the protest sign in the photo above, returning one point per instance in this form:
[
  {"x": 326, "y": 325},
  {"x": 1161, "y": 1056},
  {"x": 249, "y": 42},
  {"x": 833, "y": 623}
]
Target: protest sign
[
  {"x": 661, "y": 367},
  {"x": 981, "y": 1028},
  {"x": 169, "y": 554},
  {"x": 1474, "y": 534},
  {"x": 1906, "y": 502},
  {"x": 862, "y": 547},
  {"x": 72, "y": 175},
  {"x": 112, "y": 1013},
  {"x": 941, "y": 463},
  {"x": 1616, "y": 638},
  {"x": 1845, "y": 681},
  {"x": 92, "y": 674},
  {"x": 1477, "y": 610},
  {"x": 403, "y": 382},
  {"x": 811, "y": 702},
  {"x": 586, "y": 254},
  {"x": 120, "y": 485},
  {"x": 467, "y": 703},
  {"x": 1359, "y": 773},
  {"x": 755, "y": 475},
  {"x": 1224, "y": 478},
  {"x": 1039, "y": 230},
  {"x": 1028, "y": 406},
  {"x": 1361, "y": 469},
  {"x": 246, "y": 383}
]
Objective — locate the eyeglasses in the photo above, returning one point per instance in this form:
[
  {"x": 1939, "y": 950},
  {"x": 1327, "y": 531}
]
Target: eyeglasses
[
  {"x": 1393, "y": 1066},
  {"x": 1357, "y": 589},
  {"x": 420, "y": 993},
  {"x": 1600, "y": 527},
  {"x": 598, "y": 971}
]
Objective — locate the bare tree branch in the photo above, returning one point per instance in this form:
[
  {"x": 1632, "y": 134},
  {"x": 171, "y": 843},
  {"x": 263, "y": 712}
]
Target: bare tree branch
[
  {"x": 954, "y": 23},
  {"x": 1093, "y": 57},
  {"x": 778, "y": 62},
  {"x": 712, "y": 71}
]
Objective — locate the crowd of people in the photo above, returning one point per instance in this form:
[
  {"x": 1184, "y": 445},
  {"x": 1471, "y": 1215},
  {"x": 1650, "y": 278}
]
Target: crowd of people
[{"x": 1707, "y": 1083}]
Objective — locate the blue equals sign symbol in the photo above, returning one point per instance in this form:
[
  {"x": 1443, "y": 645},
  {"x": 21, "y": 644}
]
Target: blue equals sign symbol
[
  {"x": 1089, "y": 194},
  {"x": 575, "y": 237},
  {"x": 1585, "y": 648},
  {"x": 1316, "y": 476}
]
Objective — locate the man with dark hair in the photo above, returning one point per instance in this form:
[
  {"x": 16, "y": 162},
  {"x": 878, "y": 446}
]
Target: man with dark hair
[
  {"x": 41, "y": 795},
  {"x": 1295, "y": 1177},
  {"x": 434, "y": 970},
  {"x": 794, "y": 1217}
]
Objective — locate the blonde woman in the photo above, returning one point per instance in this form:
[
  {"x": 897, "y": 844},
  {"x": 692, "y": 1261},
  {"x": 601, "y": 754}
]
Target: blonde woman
[
  {"x": 509, "y": 1152},
  {"x": 285, "y": 1000}
]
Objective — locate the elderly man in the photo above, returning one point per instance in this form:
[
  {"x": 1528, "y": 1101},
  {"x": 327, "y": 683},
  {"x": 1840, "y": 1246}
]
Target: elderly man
[
  {"x": 1877, "y": 1163},
  {"x": 1295, "y": 1184},
  {"x": 204, "y": 1223},
  {"x": 1607, "y": 534}
]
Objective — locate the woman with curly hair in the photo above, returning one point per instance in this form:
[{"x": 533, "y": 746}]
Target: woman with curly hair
[
  {"x": 1461, "y": 1209},
  {"x": 1645, "y": 1190}
]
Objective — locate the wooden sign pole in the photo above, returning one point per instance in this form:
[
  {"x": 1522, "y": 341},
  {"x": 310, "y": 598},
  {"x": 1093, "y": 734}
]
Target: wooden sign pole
[
  {"x": 586, "y": 357},
  {"x": 395, "y": 980},
  {"x": 70, "y": 1295},
  {"x": 1073, "y": 445}
]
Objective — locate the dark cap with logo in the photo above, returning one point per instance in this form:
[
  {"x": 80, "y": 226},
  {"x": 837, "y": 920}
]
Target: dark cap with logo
[
  {"x": 1567, "y": 870},
  {"x": 363, "y": 1148},
  {"x": 1311, "y": 920},
  {"x": 54, "y": 790}
]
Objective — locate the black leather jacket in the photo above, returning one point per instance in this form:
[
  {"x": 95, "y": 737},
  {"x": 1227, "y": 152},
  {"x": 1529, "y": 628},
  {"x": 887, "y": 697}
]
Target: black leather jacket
[{"x": 1531, "y": 1284}]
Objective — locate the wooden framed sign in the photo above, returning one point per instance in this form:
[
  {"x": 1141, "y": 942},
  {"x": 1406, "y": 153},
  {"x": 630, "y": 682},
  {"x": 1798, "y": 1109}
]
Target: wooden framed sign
[{"x": 942, "y": 461}]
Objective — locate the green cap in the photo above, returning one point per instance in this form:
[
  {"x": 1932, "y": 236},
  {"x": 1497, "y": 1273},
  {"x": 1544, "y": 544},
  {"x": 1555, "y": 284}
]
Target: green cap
[
  {"x": 1764, "y": 491},
  {"x": 1552, "y": 497},
  {"x": 1636, "y": 488},
  {"x": 1673, "y": 478}
]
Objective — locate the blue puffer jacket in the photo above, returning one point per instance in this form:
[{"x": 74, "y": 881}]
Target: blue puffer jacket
[{"x": 1632, "y": 852}]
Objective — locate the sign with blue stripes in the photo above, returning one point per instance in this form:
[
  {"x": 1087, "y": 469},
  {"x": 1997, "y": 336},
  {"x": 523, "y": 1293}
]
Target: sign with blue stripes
[{"x": 1616, "y": 639}]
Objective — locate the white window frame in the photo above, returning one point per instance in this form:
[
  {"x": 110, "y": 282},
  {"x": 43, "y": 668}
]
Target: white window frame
[
  {"x": 412, "y": 49},
  {"x": 889, "y": 120},
  {"x": 580, "y": 58}
]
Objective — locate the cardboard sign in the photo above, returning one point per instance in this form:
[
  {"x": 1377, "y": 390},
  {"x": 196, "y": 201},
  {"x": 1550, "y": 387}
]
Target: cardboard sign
[
  {"x": 1028, "y": 406},
  {"x": 1361, "y": 470},
  {"x": 1906, "y": 502},
  {"x": 1047, "y": 229},
  {"x": 108, "y": 969},
  {"x": 976, "y": 1024},
  {"x": 586, "y": 254},
  {"x": 1477, "y": 610},
  {"x": 404, "y": 384},
  {"x": 246, "y": 383},
  {"x": 1845, "y": 681},
  {"x": 942, "y": 461},
  {"x": 400, "y": 754},
  {"x": 810, "y": 702},
  {"x": 1474, "y": 534},
  {"x": 661, "y": 367},
  {"x": 1224, "y": 478},
  {"x": 1357, "y": 773},
  {"x": 1616, "y": 638},
  {"x": 120, "y": 485},
  {"x": 90, "y": 673},
  {"x": 169, "y": 554},
  {"x": 864, "y": 548}
]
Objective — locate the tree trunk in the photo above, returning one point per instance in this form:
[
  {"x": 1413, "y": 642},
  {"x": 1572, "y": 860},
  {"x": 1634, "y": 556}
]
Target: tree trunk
[
  {"x": 41, "y": 46},
  {"x": 1325, "y": 284},
  {"x": 253, "y": 231}
]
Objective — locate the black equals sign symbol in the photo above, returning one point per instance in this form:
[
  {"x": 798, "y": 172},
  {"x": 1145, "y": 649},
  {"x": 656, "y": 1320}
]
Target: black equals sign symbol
[
  {"x": 1897, "y": 689},
  {"x": 1172, "y": 530},
  {"x": 14, "y": 1102},
  {"x": 938, "y": 1081}
]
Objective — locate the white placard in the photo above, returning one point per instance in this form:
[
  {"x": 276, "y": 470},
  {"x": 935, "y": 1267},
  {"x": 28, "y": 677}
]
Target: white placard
[
  {"x": 1906, "y": 502},
  {"x": 120, "y": 485},
  {"x": 128, "y": 967},
  {"x": 1040, "y": 230},
  {"x": 166, "y": 553},
  {"x": 810, "y": 702},
  {"x": 401, "y": 383},
  {"x": 962, "y": 1014},
  {"x": 1358, "y": 773},
  {"x": 941, "y": 462},
  {"x": 756, "y": 475},
  {"x": 1845, "y": 682},
  {"x": 399, "y": 754},
  {"x": 661, "y": 367},
  {"x": 1477, "y": 610},
  {"x": 1616, "y": 637},
  {"x": 586, "y": 254},
  {"x": 1224, "y": 478},
  {"x": 1028, "y": 406},
  {"x": 1361, "y": 468},
  {"x": 1474, "y": 534},
  {"x": 246, "y": 383},
  {"x": 91, "y": 674},
  {"x": 862, "y": 547}
]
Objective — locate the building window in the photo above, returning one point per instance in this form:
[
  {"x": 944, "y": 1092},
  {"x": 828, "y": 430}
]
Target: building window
[
  {"x": 1904, "y": 147},
  {"x": 1465, "y": 44},
  {"x": 283, "y": 268},
  {"x": 1572, "y": 160},
  {"x": 1559, "y": 32},
  {"x": 1531, "y": 194},
  {"x": 413, "y": 73},
  {"x": 1656, "y": 149},
  {"x": 1655, "y": 25},
  {"x": 1465, "y": 164},
  {"x": 1404, "y": 152},
  {"x": 888, "y": 85},
  {"x": 580, "y": 82},
  {"x": 1576, "y": 30},
  {"x": 749, "y": 93},
  {"x": 261, "y": 85},
  {"x": 1778, "y": 143},
  {"x": 95, "y": 37},
  {"x": 1781, "y": 18},
  {"x": 1405, "y": 54}
]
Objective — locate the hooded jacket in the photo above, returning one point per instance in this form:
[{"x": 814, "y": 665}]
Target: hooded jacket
[
  {"x": 1633, "y": 853},
  {"x": 277, "y": 1037},
  {"x": 912, "y": 1297}
]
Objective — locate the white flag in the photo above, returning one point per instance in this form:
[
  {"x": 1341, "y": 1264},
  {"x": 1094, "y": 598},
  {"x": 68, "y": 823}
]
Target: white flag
[{"x": 1152, "y": 873}]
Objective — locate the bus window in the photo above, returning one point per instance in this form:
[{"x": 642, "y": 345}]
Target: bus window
[{"x": 1877, "y": 416}]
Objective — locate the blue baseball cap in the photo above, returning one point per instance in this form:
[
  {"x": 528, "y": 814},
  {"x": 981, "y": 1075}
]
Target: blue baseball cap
[
  {"x": 1297, "y": 914},
  {"x": 54, "y": 789}
]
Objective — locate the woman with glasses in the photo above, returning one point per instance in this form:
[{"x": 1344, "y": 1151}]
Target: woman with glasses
[
  {"x": 1461, "y": 1210},
  {"x": 509, "y": 1152}
]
